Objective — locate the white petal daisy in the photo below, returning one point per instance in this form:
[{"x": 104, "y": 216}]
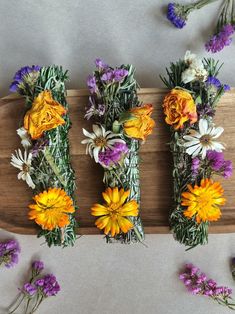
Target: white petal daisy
[
  {"x": 25, "y": 138},
  {"x": 199, "y": 142},
  {"x": 23, "y": 163},
  {"x": 99, "y": 140}
]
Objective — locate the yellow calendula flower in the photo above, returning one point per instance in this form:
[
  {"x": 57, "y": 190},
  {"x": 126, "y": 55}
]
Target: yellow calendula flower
[
  {"x": 140, "y": 125},
  {"x": 203, "y": 201},
  {"x": 179, "y": 107},
  {"x": 114, "y": 212},
  {"x": 51, "y": 209},
  {"x": 45, "y": 114}
]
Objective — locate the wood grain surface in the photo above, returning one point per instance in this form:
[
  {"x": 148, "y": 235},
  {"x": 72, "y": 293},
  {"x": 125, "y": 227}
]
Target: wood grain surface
[{"x": 156, "y": 182}]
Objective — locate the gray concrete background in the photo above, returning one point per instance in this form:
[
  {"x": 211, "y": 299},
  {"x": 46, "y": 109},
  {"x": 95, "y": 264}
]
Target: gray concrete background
[
  {"x": 95, "y": 277},
  {"x": 74, "y": 32}
]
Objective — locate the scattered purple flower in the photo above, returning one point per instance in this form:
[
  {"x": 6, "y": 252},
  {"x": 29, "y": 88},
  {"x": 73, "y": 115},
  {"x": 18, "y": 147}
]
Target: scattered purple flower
[
  {"x": 94, "y": 110},
  {"x": 220, "y": 40},
  {"x": 218, "y": 164},
  {"x": 197, "y": 284},
  {"x": 175, "y": 14},
  {"x": 9, "y": 253},
  {"x": 205, "y": 110},
  {"x": 215, "y": 82},
  {"x": 29, "y": 289},
  {"x": 195, "y": 166}
]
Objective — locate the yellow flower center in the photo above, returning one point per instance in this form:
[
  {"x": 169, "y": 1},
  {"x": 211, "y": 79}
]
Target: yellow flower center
[
  {"x": 204, "y": 200},
  {"x": 205, "y": 139},
  {"x": 100, "y": 142},
  {"x": 25, "y": 168}
]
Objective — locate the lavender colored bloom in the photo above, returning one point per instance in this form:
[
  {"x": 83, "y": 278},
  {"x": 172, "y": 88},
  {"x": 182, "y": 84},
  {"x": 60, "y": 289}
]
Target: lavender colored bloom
[
  {"x": 9, "y": 253},
  {"x": 38, "y": 266},
  {"x": 119, "y": 74},
  {"x": 91, "y": 83},
  {"x": 94, "y": 110},
  {"x": 218, "y": 163},
  {"x": 217, "y": 42},
  {"x": 107, "y": 76},
  {"x": 216, "y": 159},
  {"x": 205, "y": 110},
  {"x": 111, "y": 157},
  {"x": 100, "y": 64},
  {"x": 39, "y": 146},
  {"x": 227, "y": 169},
  {"x": 51, "y": 286},
  {"x": 39, "y": 282},
  {"x": 195, "y": 165},
  {"x": 176, "y": 15},
  {"x": 214, "y": 81},
  {"x": 29, "y": 289},
  {"x": 196, "y": 282},
  {"x": 21, "y": 74}
]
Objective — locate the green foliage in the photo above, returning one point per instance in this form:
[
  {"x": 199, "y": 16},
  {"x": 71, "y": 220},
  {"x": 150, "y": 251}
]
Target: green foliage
[
  {"x": 52, "y": 166},
  {"x": 188, "y": 231}
]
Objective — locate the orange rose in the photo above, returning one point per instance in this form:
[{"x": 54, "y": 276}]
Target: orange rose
[
  {"x": 45, "y": 114},
  {"x": 179, "y": 107},
  {"x": 140, "y": 125}
]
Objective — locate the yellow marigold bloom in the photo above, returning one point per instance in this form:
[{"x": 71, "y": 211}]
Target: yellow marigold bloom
[
  {"x": 45, "y": 114},
  {"x": 202, "y": 201},
  {"x": 51, "y": 209},
  {"x": 114, "y": 212},
  {"x": 179, "y": 107},
  {"x": 141, "y": 125}
]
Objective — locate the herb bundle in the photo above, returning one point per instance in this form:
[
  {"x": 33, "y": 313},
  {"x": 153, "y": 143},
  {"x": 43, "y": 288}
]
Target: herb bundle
[
  {"x": 121, "y": 123},
  {"x": 197, "y": 154},
  {"x": 45, "y": 162}
]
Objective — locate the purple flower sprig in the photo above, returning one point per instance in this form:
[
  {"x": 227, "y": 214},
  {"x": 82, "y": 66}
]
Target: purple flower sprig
[
  {"x": 221, "y": 39},
  {"x": 24, "y": 78},
  {"x": 37, "y": 289},
  {"x": 178, "y": 14},
  {"x": 197, "y": 283},
  {"x": 9, "y": 253},
  {"x": 112, "y": 157},
  {"x": 218, "y": 164}
]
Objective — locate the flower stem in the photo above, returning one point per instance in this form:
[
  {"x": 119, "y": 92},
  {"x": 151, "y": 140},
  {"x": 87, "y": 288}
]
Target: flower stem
[{"x": 198, "y": 5}]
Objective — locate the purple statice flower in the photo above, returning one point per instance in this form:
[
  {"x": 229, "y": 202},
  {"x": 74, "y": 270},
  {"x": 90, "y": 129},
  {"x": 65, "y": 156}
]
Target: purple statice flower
[
  {"x": 37, "y": 266},
  {"x": 50, "y": 286},
  {"x": 176, "y": 15},
  {"x": 195, "y": 165},
  {"x": 107, "y": 76},
  {"x": 205, "y": 110},
  {"x": 29, "y": 289},
  {"x": 119, "y": 74},
  {"x": 116, "y": 75},
  {"x": 100, "y": 64},
  {"x": 112, "y": 156},
  {"x": 39, "y": 146},
  {"x": 91, "y": 83},
  {"x": 21, "y": 74},
  {"x": 215, "y": 82},
  {"x": 218, "y": 164},
  {"x": 218, "y": 41},
  {"x": 9, "y": 253},
  {"x": 94, "y": 110},
  {"x": 196, "y": 283},
  {"x": 227, "y": 169}
]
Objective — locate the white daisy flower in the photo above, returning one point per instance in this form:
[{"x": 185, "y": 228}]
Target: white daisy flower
[
  {"x": 24, "y": 164},
  {"x": 25, "y": 138},
  {"x": 99, "y": 140},
  {"x": 198, "y": 143}
]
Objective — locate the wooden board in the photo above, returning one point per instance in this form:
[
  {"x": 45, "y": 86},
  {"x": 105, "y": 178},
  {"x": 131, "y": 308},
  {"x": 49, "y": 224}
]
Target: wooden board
[{"x": 156, "y": 182}]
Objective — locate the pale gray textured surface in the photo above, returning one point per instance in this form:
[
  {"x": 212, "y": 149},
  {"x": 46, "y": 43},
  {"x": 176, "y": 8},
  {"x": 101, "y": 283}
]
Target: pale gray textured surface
[
  {"x": 95, "y": 277},
  {"x": 74, "y": 32}
]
